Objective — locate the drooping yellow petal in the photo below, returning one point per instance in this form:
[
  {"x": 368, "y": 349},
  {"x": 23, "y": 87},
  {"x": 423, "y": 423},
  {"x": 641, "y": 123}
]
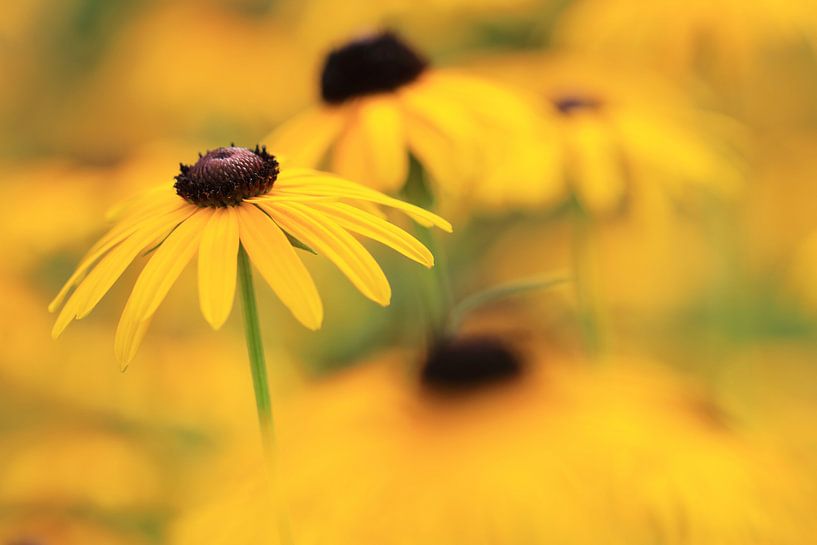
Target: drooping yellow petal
[
  {"x": 372, "y": 148},
  {"x": 595, "y": 166},
  {"x": 128, "y": 340},
  {"x": 155, "y": 281},
  {"x": 167, "y": 263},
  {"x": 492, "y": 106},
  {"x": 333, "y": 242},
  {"x": 149, "y": 199},
  {"x": 310, "y": 182},
  {"x": 113, "y": 264},
  {"x": 217, "y": 266},
  {"x": 378, "y": 229},
  {"x": 441, "y": 135},
  {"x": 515, "y": 164},
  {"x": 529, "y": 175},
  {"x": 276, "y": 260},
  {"x": 306, "y": 138},
  {"x": 279, "y": 196},
  {"x": 677, "y": 149},
  {"x": 122, "y": 230},
  {"x": 450, "y": 169}
]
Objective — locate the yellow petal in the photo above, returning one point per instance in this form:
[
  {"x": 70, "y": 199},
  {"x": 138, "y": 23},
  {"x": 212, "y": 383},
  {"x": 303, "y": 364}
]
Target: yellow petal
[
  {"x": 306, "y": 182},
  {"x": 440, "y": 157},
  {"x": 595, "y": 166},
  {"x": 112, "y": 265},
  {"x": 492, "y": 106},
  {"x": 127, "y": 342},
  {"x": 144, "y": 201},
  {"x": 442, "y": 136},
  {"x": 279, "y": 196},
  {"x": 217, "y": 266},
  {"x": 372, "y": 149},
  {"x": 333, "y": 242},
  {"x": 122, "y": 230},
  {"x": 378, "y": 229},
  {"x": 276, "y": 260},
  {"x": 306, "y": 138},
  {"x": 155, "y": 281}
]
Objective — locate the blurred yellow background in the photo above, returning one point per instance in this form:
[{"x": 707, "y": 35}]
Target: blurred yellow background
[{"x": 683, "y": 132}]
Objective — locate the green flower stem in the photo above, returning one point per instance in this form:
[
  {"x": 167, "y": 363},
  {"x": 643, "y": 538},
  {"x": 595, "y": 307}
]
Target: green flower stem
[
  {"x": 440, "y": 298},
  {"x": 585, "y": 264},
  {"x": 258, "y": 368},
  {"x": 438, "y": 295}
]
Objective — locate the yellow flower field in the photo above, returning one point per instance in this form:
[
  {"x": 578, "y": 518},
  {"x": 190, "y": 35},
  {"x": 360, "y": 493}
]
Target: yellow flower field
[{"x": 408, "y": 273}]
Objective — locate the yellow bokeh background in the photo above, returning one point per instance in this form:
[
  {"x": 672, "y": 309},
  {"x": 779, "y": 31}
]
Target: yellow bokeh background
[{"x": 668, "y": 167}]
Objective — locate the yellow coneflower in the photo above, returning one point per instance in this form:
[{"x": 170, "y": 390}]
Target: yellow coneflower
[
  {"x": 622, "y": 142},
  {"x": 235, "y": 197},
  {"x": 232, "y": 206},
  {"x": 382, "y": 102},
  {"x": 618, "y": 136},
  {"x": 497, "y": 442}
]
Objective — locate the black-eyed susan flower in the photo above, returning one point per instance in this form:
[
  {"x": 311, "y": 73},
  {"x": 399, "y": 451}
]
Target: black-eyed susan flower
[
  {"x": 616, "y": 136},
  {"x": 622, "y": 143},
  {"x": 382, "y": 102},
  {"x": 230, "y": 201},
  {"x": 496, "y": 440}
]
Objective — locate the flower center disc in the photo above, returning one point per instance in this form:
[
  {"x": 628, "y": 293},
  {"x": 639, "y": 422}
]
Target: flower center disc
[
  {"x": 462, "y": 364},
  {"x": 226, "y": 176},
  {"x": 374, "y": 64},
  {"x": 572, "y": 103}
]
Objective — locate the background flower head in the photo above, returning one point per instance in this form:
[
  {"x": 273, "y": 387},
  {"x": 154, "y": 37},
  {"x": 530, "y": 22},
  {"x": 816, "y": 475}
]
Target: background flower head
[{"x": 382, "y": 102}]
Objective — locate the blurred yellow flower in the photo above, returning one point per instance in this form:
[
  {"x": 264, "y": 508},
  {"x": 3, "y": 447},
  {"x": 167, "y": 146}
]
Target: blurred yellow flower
[
  {"x": 727, "y": 36},
  {"x": 230, "y": 195},
  {"x": 619, "y": 136},
  {"x": 505, "y": 443},
  {"x": 381, "y": 102}
]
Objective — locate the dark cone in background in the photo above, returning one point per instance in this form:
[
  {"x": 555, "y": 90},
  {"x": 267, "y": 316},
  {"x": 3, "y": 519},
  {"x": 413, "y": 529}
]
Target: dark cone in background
[
  {"x": 463, "y": 364},
  {"x": 374, "y": 64}
]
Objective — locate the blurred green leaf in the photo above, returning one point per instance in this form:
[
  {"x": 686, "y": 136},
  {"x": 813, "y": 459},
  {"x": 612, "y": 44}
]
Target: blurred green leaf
[{"x": 480, "y": 299}]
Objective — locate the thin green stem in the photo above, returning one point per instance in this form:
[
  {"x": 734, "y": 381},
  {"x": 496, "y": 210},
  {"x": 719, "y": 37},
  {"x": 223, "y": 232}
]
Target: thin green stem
[
  {"x": 584, "y": 265},
  {"x": 440, "y": 298},
  {"x": 438, "y": 294},
  {"x": 255, "y": 347},
  {"x": 263, "y": 403}
]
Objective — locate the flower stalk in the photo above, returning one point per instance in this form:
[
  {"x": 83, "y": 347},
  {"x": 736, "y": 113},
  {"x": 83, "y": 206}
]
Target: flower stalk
[
  {"x": 586, "y": 274},
  {"x": 263, "y": 402},
  {"x": 438, "y": 293}
]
